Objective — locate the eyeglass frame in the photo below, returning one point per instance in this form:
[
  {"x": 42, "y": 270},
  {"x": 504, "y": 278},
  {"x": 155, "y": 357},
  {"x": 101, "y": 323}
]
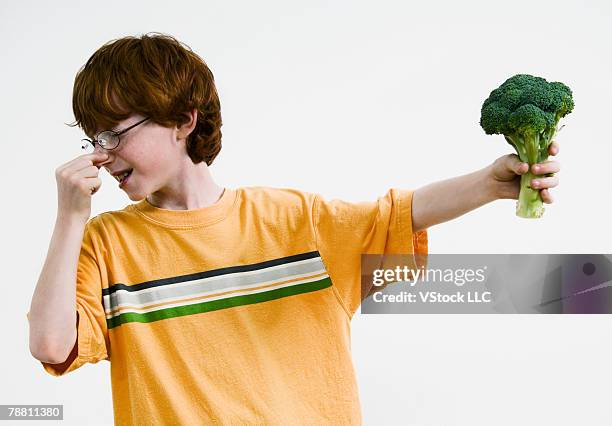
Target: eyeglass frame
[{"x": 117, "y": 134}]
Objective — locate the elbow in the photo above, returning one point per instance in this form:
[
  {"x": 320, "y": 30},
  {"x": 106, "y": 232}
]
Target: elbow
[
  {"x": 45, "y": 354},
  {"x": 49, "y": 352},
  {"x": 50, "y": 347}
]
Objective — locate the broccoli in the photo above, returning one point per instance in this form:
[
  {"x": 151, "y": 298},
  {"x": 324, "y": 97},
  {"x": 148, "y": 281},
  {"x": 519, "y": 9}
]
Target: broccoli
[{"x": 526, "y": 110}]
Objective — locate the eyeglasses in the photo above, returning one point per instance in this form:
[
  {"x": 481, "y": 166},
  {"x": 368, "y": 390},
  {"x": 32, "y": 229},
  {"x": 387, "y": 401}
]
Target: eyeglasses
[{"x": 107, "y": 139}]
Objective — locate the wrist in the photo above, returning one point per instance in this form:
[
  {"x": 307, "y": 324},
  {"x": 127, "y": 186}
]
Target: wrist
[
  {"x": 495, "y": 189},
  {"x": 71, "y": 220}
]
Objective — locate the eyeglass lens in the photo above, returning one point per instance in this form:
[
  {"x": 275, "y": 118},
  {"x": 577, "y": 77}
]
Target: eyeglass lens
[{"x": 107, "y": 140}]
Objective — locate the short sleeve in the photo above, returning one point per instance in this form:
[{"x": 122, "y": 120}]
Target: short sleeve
[
  {"x": 345, "y": 230},
  {"x": 93, "y": 343}
]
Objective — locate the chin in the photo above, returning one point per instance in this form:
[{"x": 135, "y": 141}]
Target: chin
[{"x": 136, "y": 196}]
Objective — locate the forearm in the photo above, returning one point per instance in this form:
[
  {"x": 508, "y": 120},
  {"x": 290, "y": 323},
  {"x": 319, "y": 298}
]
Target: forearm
[
  {"x": 52, "y": 311},
  {"x": 445, "y": 200}
]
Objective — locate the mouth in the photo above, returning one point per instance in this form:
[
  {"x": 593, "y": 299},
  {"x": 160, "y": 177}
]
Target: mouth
[{"x": 123, "y": 177}]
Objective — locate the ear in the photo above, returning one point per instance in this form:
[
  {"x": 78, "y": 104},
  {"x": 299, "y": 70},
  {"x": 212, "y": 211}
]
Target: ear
[{"x": 186, "y": 128}]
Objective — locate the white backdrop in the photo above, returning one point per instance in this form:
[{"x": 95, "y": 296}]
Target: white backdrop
[{"x": 346, "y": 99}]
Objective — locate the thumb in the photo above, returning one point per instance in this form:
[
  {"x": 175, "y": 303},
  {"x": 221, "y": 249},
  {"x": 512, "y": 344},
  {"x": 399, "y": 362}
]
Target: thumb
[
  {"x": 515, "y": 164},
  {"x": 99, "y": 159}
]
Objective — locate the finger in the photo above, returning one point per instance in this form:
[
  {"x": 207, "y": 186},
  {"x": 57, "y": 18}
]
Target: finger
[
  {"x": 553, "y": 148},
  {"x": 88, "y": 172},
  {"x": 90, "y": 159},
  {"x": 96, "y": 154},
  {"x": 91, "y": 185},
  {"x": 546, "y": 196},
  {"x": 94, "y": 157},
  {"x": 82, "y": 161},
  {"x": 79, "y": 164},
  {"x": 545, "y": 182},
  {"x": 514, "y": 163},
  {"x": 546, "y": 167},
  {"x": 97, "y": 158}
]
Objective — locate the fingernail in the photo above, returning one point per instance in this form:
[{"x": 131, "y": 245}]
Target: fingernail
[
  {"x": 535, "y": 183},
  {"x": 536, "y": 168}
]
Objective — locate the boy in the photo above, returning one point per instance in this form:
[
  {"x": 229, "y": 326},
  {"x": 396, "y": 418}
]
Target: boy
[{"x": 213, "y": 304}]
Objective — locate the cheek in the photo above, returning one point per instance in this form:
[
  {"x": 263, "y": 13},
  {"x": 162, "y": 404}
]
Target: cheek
[{"x": 151, "y": 160}]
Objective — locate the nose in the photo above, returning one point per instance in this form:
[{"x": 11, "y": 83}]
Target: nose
[
  {"x": 98, "y": 148},
  {"x": 107, "y": 160}
]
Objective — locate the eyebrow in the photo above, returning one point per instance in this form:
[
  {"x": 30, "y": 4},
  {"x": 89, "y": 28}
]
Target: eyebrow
[
  {"x": 115, "y": 129},
  {"x": 118, "y": 129},
  {"x": 97, "y": 132}
]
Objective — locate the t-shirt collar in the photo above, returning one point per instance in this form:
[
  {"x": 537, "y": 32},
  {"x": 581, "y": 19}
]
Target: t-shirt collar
[{"x": 189, "y": 218}]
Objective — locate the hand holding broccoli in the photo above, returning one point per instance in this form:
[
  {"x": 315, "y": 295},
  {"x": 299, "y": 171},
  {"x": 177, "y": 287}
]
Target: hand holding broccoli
[
  {"x": 526, "y": 110},
  {"x": 507, "y": 171}
]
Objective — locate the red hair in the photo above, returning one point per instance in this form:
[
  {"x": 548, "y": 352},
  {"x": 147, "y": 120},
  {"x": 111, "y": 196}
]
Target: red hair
[{"x": 154, "y": 75}]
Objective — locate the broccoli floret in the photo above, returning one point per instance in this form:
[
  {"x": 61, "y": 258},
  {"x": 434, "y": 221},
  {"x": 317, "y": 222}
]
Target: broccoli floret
[{"x": 526, "y": 110}]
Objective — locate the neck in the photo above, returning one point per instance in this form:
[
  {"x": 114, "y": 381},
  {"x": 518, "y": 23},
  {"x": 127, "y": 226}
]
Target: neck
[{"x": 191, "y": 187}]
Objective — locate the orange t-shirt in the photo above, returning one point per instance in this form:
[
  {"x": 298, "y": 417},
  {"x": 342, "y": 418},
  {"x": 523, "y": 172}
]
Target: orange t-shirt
[{"x": 238, "y": 312}]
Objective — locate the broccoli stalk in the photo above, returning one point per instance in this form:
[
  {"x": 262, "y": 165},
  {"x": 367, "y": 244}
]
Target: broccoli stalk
[
  {"x": 528, "y": 146},
  {"x": 526, "y": 110}
]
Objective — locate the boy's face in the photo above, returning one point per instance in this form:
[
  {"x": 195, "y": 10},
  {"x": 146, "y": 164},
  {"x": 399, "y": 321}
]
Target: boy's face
[{"x": 151, "y": 151}]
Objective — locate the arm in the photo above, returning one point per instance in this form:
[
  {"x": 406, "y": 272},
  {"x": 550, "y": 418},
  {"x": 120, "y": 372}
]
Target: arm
[
  {"x": 445, "y": 200},
  {"x": 52, "y": 315}
]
